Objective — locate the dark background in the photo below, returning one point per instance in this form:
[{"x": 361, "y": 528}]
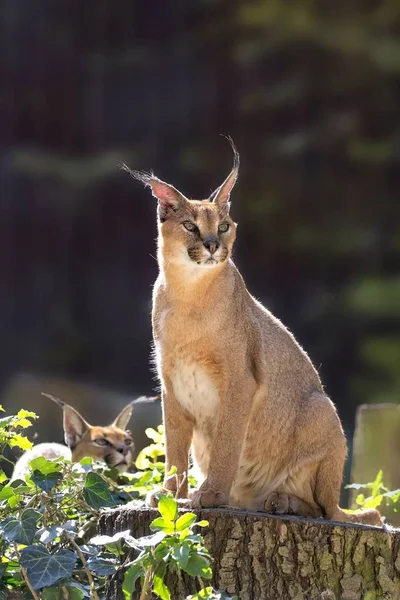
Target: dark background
[{"x": 309, "y": 91}]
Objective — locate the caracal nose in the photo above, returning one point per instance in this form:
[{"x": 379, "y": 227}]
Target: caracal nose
[
  {"x": 123, "y": 450},
  {"x": 212, "y": 244}
]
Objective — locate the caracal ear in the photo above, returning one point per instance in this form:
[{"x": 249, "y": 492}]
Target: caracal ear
[
  {"x": 124, "y": 416},
  {"x": 169, "y": 198},
  {"x": 221, "y": 195},
  {"x": 74, "y": 424}
]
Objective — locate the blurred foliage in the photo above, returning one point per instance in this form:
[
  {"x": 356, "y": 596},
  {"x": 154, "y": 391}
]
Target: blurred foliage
[
  {"x": 376, "y": 493},
  {"x": 309, "y": 90}
]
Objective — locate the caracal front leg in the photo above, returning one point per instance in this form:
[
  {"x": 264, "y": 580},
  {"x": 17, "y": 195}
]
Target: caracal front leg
[
  {"x": 178, "y": 428},
  {"x": 234, "y": 412}
]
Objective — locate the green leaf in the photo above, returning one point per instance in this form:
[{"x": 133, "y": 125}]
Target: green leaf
[
  {"x": 20, "y": 441},
  {"x": 49, "y": 534},
  {"x": 161, "y": 524},
  {"x": 23, "y": 414},
  {"x": 45, "y": 569},
  {"x": 5, "y": 421},
  {"x": 360, "y": 499},
  {"x": 23, "y": 423},
  {"x": 172, "y": 471},
  {"x": 168, "y": 507},
  {"x": 185, "y": 520},
  {"x": 46, "y": 481},
  {"x": 160, "y": 588},
  {"x": 3, "y": 476},
  {"x": 355, "y": 486},
  {"x": 107, "y": 540},
  {"x": 375, "y": 487},
  {"x": 373, "y": 502},
  {"x": 58, "y": 593},
  {"x": 45, "y": 466},
  {"x": 102, "y": 566},
  {"x": 142, "y": 462},
  {"x": 96, "y": 492},
  {"x": 21, "y": 531},
  {"x": 153, "y": 435},
  {"x": 131, "y": 576},
  {"x": 150, "y": 540},
  {"x": 181, "y": 555},
  {"x": 198, "y": 566},
  {"x": 203, "y": 523}
]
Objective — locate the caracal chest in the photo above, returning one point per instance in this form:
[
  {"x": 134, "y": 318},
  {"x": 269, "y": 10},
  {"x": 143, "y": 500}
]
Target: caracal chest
[{"x": 183, "y": 361}]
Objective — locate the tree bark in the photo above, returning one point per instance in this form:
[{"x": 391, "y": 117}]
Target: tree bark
[{"x": 268, "y": 557}]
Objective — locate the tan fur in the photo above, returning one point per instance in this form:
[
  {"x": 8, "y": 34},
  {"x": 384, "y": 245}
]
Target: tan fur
[
  {"x": 111, "y": 444},
  {"x": 236, "y": 386}
]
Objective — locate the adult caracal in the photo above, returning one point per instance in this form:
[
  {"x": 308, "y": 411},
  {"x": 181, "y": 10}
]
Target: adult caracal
[
  {"x": 236, "y": 386},
  {"x": 111, "y": 444}
]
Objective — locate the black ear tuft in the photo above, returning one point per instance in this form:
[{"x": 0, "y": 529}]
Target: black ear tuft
[
  {"x": 168, "y": 196},
  {"x": 222, "y": 194}
]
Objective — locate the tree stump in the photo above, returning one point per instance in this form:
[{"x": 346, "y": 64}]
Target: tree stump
[
  {"x": 268, "y": 557},
  {"x": 376, "y": 446}
]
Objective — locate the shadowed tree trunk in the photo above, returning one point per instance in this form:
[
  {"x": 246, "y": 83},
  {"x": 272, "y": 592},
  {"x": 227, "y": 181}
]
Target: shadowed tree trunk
[{"x": 261, "y": 557}]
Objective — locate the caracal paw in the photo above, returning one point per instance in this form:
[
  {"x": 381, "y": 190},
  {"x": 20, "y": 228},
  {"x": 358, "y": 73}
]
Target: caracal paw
[{"x": 208, "y": 497}]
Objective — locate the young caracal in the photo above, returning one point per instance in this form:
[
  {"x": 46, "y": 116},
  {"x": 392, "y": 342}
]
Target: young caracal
[
  {"x": 111, "y": 444},
  {"x": 236, "y": 386}
]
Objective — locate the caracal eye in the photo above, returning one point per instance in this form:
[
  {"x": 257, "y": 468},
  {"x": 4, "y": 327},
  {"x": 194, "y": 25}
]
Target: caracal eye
[
  {"x": 189, "y": 225},
  {"x": 101, "y": 442},
  {"x": 223, "y": 227}
]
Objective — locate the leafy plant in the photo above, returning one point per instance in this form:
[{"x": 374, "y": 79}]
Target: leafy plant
[
  {"x": 48, "y": 545},
  {"x": 378, "y": 493},
  {"x": 174, "y": 546}
]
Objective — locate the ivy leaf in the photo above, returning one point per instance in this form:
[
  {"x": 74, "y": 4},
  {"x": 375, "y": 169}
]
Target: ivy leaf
[
  {"x": 45, "y": 569},
  {"x": 46, "y": 481},
  {"x": 21, "y": 531},
  {"x": 21, "y": 441},
  {"x": 23, "y": 414},
  {"x": 5, "y": 421},
  {"x": 44, "y": 465},
  {"x": 96, "y": 492},
  {"x": 102, "y": 566},
  {"x": 198, "y": 566},
  {"x": 185, "y": 520},
  {"x": 160, "y": 588},
  {"x": 58, "y": 593},
  {"x": 130, "y": 578},
  {"x": 168, "y": 507},
  {"x": 49, "y": 534},
  {"x": 107, "y": 540}
]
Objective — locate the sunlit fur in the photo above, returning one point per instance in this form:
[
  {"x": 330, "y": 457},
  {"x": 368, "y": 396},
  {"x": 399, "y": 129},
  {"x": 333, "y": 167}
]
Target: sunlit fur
[
  {"x": 237, "y": 388},
  {"x": 116, "y": 453},
  {"x": 186, "y": 249}
]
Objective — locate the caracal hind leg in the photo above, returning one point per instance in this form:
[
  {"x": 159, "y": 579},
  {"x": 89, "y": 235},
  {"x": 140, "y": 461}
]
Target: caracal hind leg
[
  {"x": 283, "y": 503},
  {"x": 327, "y": 494}
]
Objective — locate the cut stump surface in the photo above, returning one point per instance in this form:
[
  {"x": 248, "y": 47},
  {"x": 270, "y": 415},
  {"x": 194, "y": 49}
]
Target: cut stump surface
[{"x": 268, "y": 557}]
